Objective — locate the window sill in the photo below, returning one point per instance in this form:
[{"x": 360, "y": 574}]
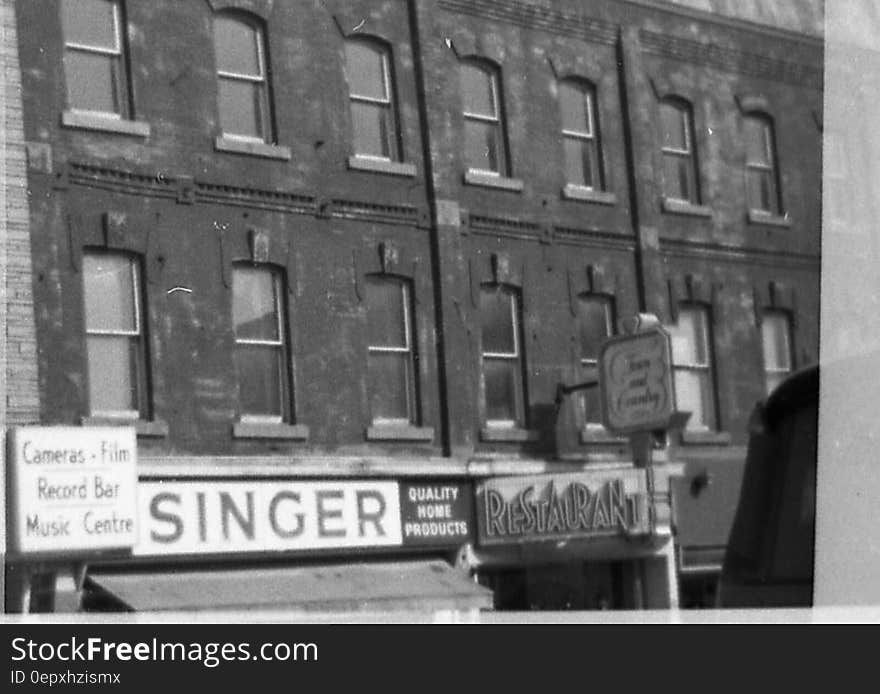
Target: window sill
[
  {"x": 156, "y": 428},
  {"x": 705, "y": 438},
  {"x": 686, "y": 208},
  {"x": 584, "y": 194},
  {"x": 600, "y": 435},
  {"x": 253, "y": 430},
  {"x": 251, "y": 147},
  {"x": 769, "y": 219},
  {"x": 386, "y": 166},
  {"x": 508, "y": 435},
  {"x": 399, "y": 432},
  {"x": 487, "y": 179},
  {"x": 86, "y": 120}
]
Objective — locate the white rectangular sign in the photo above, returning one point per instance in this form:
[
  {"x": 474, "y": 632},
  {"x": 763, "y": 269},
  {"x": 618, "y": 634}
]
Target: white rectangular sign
[
  {"x": 208, "y": 517},
  {"x": 73, "y": 489}
]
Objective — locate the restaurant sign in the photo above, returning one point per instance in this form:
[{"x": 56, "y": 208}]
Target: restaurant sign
[
  {"x": 212, "y": 517},
  {"x": 72, "y": 490},
  {"x": 436, "y": 514},
  {"x": 557, "y": 507}
]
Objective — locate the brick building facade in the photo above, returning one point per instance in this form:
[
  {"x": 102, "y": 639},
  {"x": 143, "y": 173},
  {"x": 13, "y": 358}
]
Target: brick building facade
[{"x": 369, "y": 240}]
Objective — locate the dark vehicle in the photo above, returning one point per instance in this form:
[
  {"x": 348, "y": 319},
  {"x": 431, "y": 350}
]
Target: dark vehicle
[{"x": 769, "y": 557}]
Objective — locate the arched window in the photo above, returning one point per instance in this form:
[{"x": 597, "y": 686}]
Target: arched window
[
  {"x": 580, "y": 135},
  {"x": 371, "y": 90},
  {"x": 95, "y": 56},
  {"x": 484, "y": 136},
  {"x": 762, "y": 181},
  {"x": 243, "y": 99},
  {"x": 502, "y": 356},
  {"x": 679, "y": 151}
]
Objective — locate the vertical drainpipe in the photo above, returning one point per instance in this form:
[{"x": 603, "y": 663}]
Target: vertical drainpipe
[
  {"x": 638, "y": 127},
  {"x": 434, "y": 233}
]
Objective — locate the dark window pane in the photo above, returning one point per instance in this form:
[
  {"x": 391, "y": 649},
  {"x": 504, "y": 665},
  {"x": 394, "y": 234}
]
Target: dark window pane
[
  {"x": 762, "y": 192},
  {"x": 756, "y": 133},
  {"x": 92, "y": 81},
  {"x": 254, "y": 304},
  {"x": 236, "y": 47},
  {"x": 240, "y": 104},
  {"x": 580, "y": 167},
  {"x": 674, "y": 123},
  {"x": 89, "y": 22},
  {"x": 593, "y": 325},
  {"x": 676, "y": 179},
  {"x": 496, "y": 319},
  {"x": 385, "y": 313},
  {"x": 502, "y": 388},
  {"x": 261, "y": 376},
  {"x": 389, "y": 385},
  {"x": 590, "y": 401},
  {"x": 371, "y": 129},
  {"x": 573, "y": 102},
  {"x": 481, "y": 146},
  {"x": 365, "y": 70},
  {"x": 476, "y": 87},
  {"x": 109, "y": 293},
  {"x": 113, "y": 373}
]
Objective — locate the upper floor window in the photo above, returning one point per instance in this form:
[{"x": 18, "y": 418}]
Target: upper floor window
[
  {"x": 95, "y": 57},
  {"x": 776, "y": 347},
  {"x": 391, "y": 354},
  {"x": 243, "y": 98},
  {"x": 484, "y": 136},
  {"x": 502, "y": 362},
  {"x": 595, "y": 324},
  {"x": 115, "y": 337},
  {"x": 761, "y": 169},
  {"x": 679, "y": 153},
  {"x": 580, "y": 135},
  {"x": 261, "y": 344},
  {"x": 692, "y": 363},
  {"x": 371, "y": 89}
]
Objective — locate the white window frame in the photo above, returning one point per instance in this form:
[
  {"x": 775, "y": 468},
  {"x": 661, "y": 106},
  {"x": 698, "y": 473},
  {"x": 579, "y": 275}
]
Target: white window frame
[
  {"x": 411, "y": 409},
  {"x": 265, "y": 120},
  {"x": 771, "y": 169},
  {"x": 515, "y": 357},
  {"x": 280, "y": 344},
  {"x": 136, "y": 332},
  {"x": 588, "y": 135},
  {"x": 117, "y": 53},
  {"x": 789, "y": 351},
  {"x": 587, "y": 365},
  {"x": 494, "y": 119},
  {"x": 386, "y": 103},
  {"x": 706, "y": 368},
  {"x": 685, "y": 113}
]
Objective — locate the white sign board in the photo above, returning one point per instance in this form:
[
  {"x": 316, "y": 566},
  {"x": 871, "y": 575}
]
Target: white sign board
[
  {"x": 636, "y": 382},
  {"x": 72, "y": 490},
  {"x": 210, "y": 517}
]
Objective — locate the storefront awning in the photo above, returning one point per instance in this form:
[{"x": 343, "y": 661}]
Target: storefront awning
[{"x": 423, "y": 586}]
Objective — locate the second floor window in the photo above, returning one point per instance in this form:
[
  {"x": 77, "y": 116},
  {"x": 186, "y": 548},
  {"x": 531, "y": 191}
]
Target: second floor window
[
  {"x": 391, "y": 356},
  {"x": 261, "y": 344},
  {"x": 484, "y": 137},
  {"x": 761, "y": 170},
  {"x": 95, "y": 56},
  {"x": 502, "y": 363},
  {"x": 692, "y": 363},
  {"x": 776, "y": 347},
  {"x": 243, "y": 97},
  {"x": 115, "y": 337},
  {"x": 580, "y": 136},
  {"x": 679, "y": 155},
  {"x": 370, "y": 84},
  {"x": 595, "y": 323}
]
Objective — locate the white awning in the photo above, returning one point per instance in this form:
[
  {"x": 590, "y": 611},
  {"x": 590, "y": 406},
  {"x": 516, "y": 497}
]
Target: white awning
[{"x": 374, "y": 587}]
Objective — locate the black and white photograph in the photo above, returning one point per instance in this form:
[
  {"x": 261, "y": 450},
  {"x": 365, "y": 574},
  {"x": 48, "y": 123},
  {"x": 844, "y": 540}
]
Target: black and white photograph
[{"x": 455, "y": 311}]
